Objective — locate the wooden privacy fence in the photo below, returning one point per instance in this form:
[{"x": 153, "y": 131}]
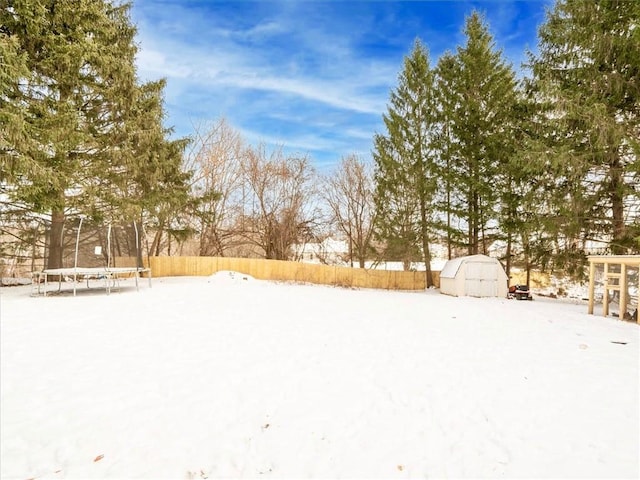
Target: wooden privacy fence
[{"x": 284, "y": 271}]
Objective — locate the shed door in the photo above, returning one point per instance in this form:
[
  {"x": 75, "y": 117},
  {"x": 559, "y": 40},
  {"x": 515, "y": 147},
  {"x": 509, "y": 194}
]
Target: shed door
[{"x": 481, "y": 279}]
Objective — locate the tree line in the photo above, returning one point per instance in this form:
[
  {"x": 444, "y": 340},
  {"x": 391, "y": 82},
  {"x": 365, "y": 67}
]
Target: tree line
[
  {"x": 470, "y": 154},
  {"x": 546, "y": 163}
]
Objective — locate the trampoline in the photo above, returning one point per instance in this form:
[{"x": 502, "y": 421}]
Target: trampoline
[{"x": 109, "y": 274}]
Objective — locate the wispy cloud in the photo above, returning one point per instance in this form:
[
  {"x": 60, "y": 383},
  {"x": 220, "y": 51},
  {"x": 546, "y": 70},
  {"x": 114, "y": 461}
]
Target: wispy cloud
[
  {"x": 224, "y": 63},
  {"x": 314, "y": 76}
]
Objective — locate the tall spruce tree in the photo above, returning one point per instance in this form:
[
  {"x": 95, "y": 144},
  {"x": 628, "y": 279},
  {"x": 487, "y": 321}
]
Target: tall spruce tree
[
  {"x": 477, "y": 100},
  {"x": 404, "y": 164},
  {"x": 80, "y": 83},
  {"x": 12, "y": 127},
  {"x": 145, "y": 182},
  {"x": 589, "y": 69},
  {"x": 518, "y": 183},
  {"x": 447, "y": 99}
]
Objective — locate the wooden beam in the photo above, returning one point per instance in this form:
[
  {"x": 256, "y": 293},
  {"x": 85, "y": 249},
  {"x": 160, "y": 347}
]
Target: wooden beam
[
  {"x": 625, "y": 261},
  {"x": 629, "y": 260},
  {"x": 623, "y": 290},
  {"x": 592, "y": 283},
  {"x": 605, "y": 297}
]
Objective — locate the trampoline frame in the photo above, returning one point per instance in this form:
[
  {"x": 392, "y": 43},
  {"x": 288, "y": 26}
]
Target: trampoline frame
[{"x": 109, "y": 274}]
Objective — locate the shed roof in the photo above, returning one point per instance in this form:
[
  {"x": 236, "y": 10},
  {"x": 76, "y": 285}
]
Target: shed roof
[{"x": 451, "y": 268}]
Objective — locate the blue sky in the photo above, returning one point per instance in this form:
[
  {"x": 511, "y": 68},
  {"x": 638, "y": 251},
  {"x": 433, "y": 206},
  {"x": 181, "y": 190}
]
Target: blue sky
[{"x": 313, "y": 76}]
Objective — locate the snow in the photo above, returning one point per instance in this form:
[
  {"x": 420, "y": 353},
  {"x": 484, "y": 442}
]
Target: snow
[{"x": 229, "y": 376}]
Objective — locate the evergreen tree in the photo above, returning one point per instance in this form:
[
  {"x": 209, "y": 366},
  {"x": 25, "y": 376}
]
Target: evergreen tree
[
  {"x": 404, "y": 159},
  {"x": 589, "y": 69},
  {"x": 12, "y": 129},
  {"x": 81, "y": 80},
  {"x": 518, "y": 183},
  {"x": 145, "y": 182},
  {"x": 479, "y": 97},
  {"x": 447, "y": 100}
]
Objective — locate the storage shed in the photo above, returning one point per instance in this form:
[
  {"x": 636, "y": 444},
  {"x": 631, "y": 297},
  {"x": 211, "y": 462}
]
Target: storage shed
[{"x": 474, "y": 276}]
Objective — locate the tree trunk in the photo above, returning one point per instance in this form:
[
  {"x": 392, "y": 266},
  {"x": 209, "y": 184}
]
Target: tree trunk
[
  {"x": 54, "y": 258},
  {"x": 351, "y": 252},
  {"x": 470, "y": 224},
  {"x": 448, "y": 187},
  {"x": 475, "y": 222},
  {"x": 617, "y": 209},
  {"x": 484, "y": 240},
  {"x": 448, "y": 221},
  {"x": 103, "y": 246},
  {"x": 427, "y": 264},
  {"x": 426, "y": 254},
  {"x": 157, "y": 240},
  {"x": 33, "y": 249},
  {"x": 116, "y": 249},
  {"x": 138, "y": 227},
  {"x": 508, "y": 259},
  {"x": 361, "y": 252}
]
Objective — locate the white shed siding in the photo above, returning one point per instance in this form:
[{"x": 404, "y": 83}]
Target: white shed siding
[
  {"x": 481, "y": 279},
  {"x": 475, "y": 276},
  {"x": 448, "y": 286}
]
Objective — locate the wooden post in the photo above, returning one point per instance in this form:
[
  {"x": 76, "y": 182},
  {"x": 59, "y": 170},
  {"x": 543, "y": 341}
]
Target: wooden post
[
  {"x": 605, "y": 297},
  {"x": 592, "y": 283},
  {"x": 623, "y": 290}
]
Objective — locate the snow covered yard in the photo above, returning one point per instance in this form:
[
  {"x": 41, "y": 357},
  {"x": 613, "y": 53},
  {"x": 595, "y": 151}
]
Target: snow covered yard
[{"x": 232, "y": 377}]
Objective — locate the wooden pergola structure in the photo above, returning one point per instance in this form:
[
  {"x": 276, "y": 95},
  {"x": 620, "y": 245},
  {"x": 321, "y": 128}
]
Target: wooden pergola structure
[{"x": 615, "y": 279}]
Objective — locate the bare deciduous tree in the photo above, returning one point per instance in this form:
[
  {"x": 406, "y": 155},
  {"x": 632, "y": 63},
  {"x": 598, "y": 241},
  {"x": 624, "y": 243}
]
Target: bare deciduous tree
[
  {"x": 216, "y": 158},
  {"x": 349, "y": 195},
  {"x": 281, "y": 192}
]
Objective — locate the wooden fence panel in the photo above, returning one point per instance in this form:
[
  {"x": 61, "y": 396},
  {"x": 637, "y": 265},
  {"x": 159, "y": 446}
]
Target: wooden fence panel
[
  {"x": 537, "y": 280},
  {"x": 284, "y": 271}
]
